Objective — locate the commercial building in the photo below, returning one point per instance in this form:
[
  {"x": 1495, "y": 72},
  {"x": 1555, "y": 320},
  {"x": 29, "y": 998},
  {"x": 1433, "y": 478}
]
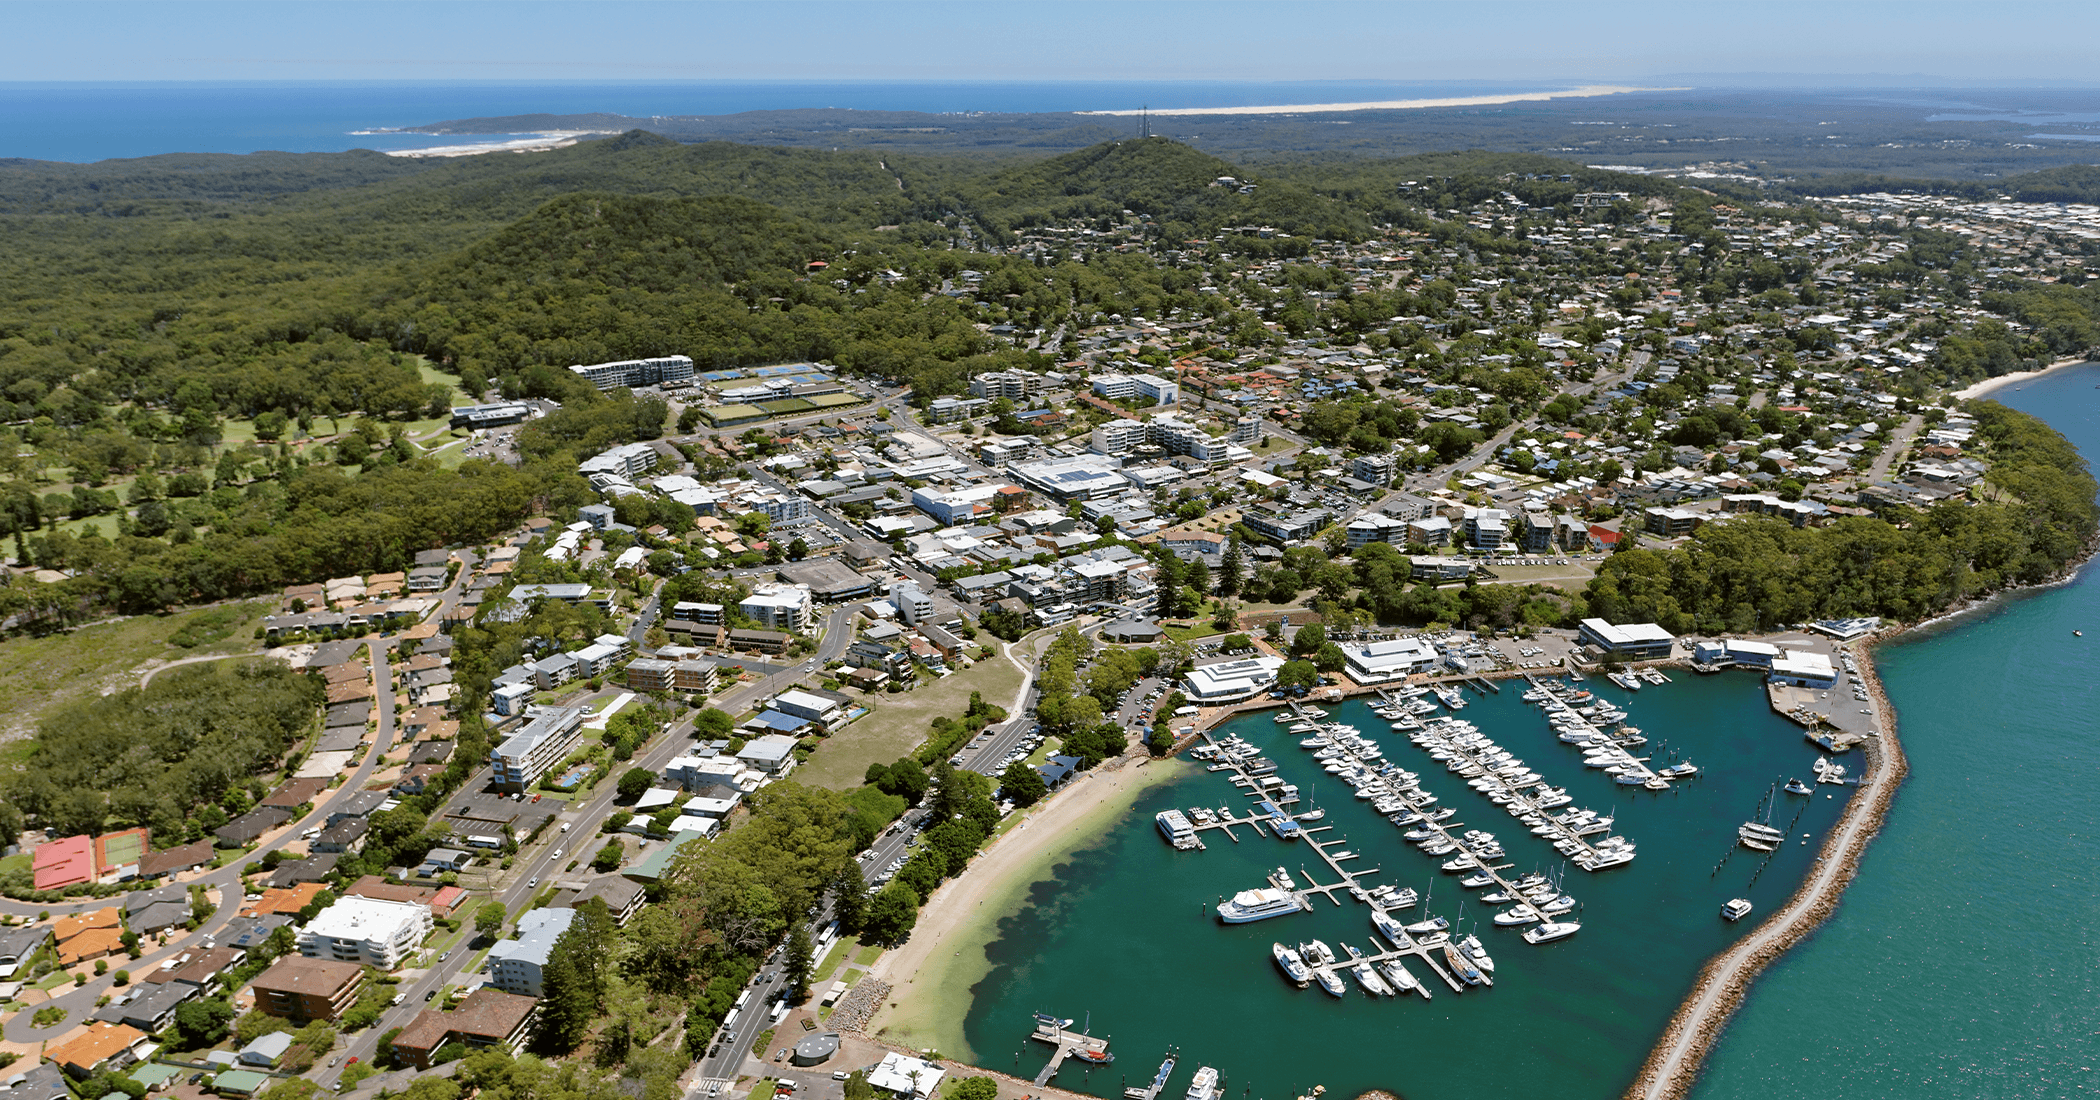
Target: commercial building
[
  {"x": 1631, "y": 641},
  {"x": 1383, "y": 662},
  {"x": 545, "y": 741},
  {"x": 1280, "y": 527},
  {"x": 491, "y": 416},
  {"x": 956, "y": 506},
  {"x": 1068, "y": 479},
  {"x": 1117, "y": 387},
  {"x": 637, "y": 372},
  {"x": 517, "y": 966},
  {"x": 1803, "y": 668},
  {"x": 366, "y": 931},
  {"x": 828, "y": 580},
  {"x": 299, "y": 988},
  {"x": 1231, "y": 681}
]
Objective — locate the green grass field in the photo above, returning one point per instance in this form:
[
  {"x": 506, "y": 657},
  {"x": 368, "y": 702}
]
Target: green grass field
[
  {"x": 39, "y": 674},
  {"x": 899, "y": 722}
]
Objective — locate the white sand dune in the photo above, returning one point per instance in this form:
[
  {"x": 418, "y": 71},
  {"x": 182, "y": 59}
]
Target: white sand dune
[{"x": 1395, "y": 104}]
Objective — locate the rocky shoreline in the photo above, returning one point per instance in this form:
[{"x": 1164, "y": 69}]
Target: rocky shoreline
[{"x": 1673, "y": 1066}]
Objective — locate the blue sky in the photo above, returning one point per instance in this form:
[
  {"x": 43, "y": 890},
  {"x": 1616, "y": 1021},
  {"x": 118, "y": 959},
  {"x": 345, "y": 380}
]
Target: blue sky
[{"x": 1577, "y": 40}]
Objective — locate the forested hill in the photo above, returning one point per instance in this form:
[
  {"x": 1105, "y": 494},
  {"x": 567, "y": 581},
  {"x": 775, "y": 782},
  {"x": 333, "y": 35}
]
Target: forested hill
[
  {"x": 1165, "y": 180},
  {"x": 606, "y": 276}
]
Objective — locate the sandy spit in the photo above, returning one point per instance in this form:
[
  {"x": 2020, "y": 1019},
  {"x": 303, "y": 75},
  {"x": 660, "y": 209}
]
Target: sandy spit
[{"x": 1583, "y": 92}]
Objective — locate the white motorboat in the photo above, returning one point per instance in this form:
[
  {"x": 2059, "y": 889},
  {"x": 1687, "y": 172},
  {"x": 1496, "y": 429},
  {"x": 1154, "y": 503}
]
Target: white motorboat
[
  {"x": 1402, "y": 981},
  {"x": 1253, "y": 905},
  {"x": 1292, "y": 964},
  {"x": 1550, "y": 931},
  {"x": 1736, "y": 909}
]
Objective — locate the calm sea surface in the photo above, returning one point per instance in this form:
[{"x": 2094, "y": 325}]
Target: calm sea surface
[
  {"x": 1961, "y": 963},
  {"x": 88, "y": 122}
]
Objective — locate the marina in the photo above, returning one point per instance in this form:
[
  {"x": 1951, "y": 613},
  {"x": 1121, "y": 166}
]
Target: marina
[{"x": 1645, "y": 925}]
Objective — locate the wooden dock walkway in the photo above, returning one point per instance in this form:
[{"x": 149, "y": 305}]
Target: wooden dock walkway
[{"x": 1068, "y": 1044}]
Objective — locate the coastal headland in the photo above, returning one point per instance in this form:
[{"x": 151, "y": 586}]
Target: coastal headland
[{"x": 1584, "y": 92}]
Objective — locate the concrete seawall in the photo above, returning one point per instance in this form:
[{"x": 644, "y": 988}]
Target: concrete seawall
[{"x": 1674, "y": 1065}]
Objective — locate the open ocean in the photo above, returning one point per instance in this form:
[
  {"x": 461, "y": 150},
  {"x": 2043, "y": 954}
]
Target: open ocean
[{"x": 97, "y": 121}]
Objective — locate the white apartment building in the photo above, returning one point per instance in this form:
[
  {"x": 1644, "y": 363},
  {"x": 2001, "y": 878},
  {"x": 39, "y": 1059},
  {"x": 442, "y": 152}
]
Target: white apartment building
[
  {"x": 1119, "y": 437},
  {"x": 780, "y": 607},
  {"x": 914, "y": 606},
  {"x": 544, "y": 741},
  {"x": 366, "y": 931},
  {"x": 517, "y": 966},
  {"x": 637, "y": 372}
]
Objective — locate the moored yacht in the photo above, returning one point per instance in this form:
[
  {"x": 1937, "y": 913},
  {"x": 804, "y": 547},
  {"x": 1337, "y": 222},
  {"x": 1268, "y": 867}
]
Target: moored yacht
[{"x": 1291, "y": 964}]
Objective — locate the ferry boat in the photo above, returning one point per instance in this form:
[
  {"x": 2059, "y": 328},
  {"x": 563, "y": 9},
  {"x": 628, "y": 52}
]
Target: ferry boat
[
  {"x": 1174, "y": 825},
  {"x": 1550, "y": 931},
  {"x": 1291, "y": 964},
  {"x": 1248, "y": 906},
  {"x": 1735, "y": 910},
  {"x": 1205, "y": 1086}
]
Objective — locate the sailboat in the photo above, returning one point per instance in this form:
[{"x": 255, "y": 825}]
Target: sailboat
[{"x": 1760, "y": 835}]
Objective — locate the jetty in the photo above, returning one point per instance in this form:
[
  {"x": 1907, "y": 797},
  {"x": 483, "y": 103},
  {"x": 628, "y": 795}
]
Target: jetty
[{"x": 1068, "y": 1043}]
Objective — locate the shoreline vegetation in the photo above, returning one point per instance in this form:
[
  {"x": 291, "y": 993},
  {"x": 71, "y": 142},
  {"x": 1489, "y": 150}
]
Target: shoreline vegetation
[{"x": 935, "y": 968}]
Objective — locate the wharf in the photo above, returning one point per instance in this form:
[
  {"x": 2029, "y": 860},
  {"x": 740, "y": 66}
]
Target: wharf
[{"x": 1068, "y": 1043}]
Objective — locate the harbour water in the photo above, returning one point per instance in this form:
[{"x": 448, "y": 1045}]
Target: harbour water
[
  {"x": 1126, "y": 931},
  {"x": 1963, "y": 959}
]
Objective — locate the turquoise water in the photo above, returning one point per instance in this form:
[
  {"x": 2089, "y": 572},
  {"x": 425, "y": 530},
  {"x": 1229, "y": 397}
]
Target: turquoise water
[
  {"x": 1124, "y": 931},
  {"x": 1963, "y": 960}
]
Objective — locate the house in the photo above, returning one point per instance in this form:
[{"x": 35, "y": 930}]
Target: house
[
  {"x": 85, "y": 937},
  {"x": 342, "y": 838},
  {"x": 150, "y": 1008},
  {"x": 200, "y": 969},
  {"x": 104, "y": 1046},
  {"x": 622, "y": 897},
  {"x": 355, "y": 806},
  {"x": 149, "y": 911},
  {"x": 251, "y": 826},
  {"x": 266, "y": 1050},
  {"x": 488, "y": 1019},
  {"x": 18, "y": 944},
  {"x": 300, "y": 988},
  {"x": 905, "y": 1076},
  {"x": 241, "y": 1084},
  {"x": 300, "y": 872}
]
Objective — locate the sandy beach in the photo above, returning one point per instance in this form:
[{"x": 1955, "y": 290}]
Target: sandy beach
[
  {"x": 932, "y": 973},
  {"x": 1984, "y": 387},
  {"x": 1583, "y": 92},
  {"x": 552, "y": 139}
]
